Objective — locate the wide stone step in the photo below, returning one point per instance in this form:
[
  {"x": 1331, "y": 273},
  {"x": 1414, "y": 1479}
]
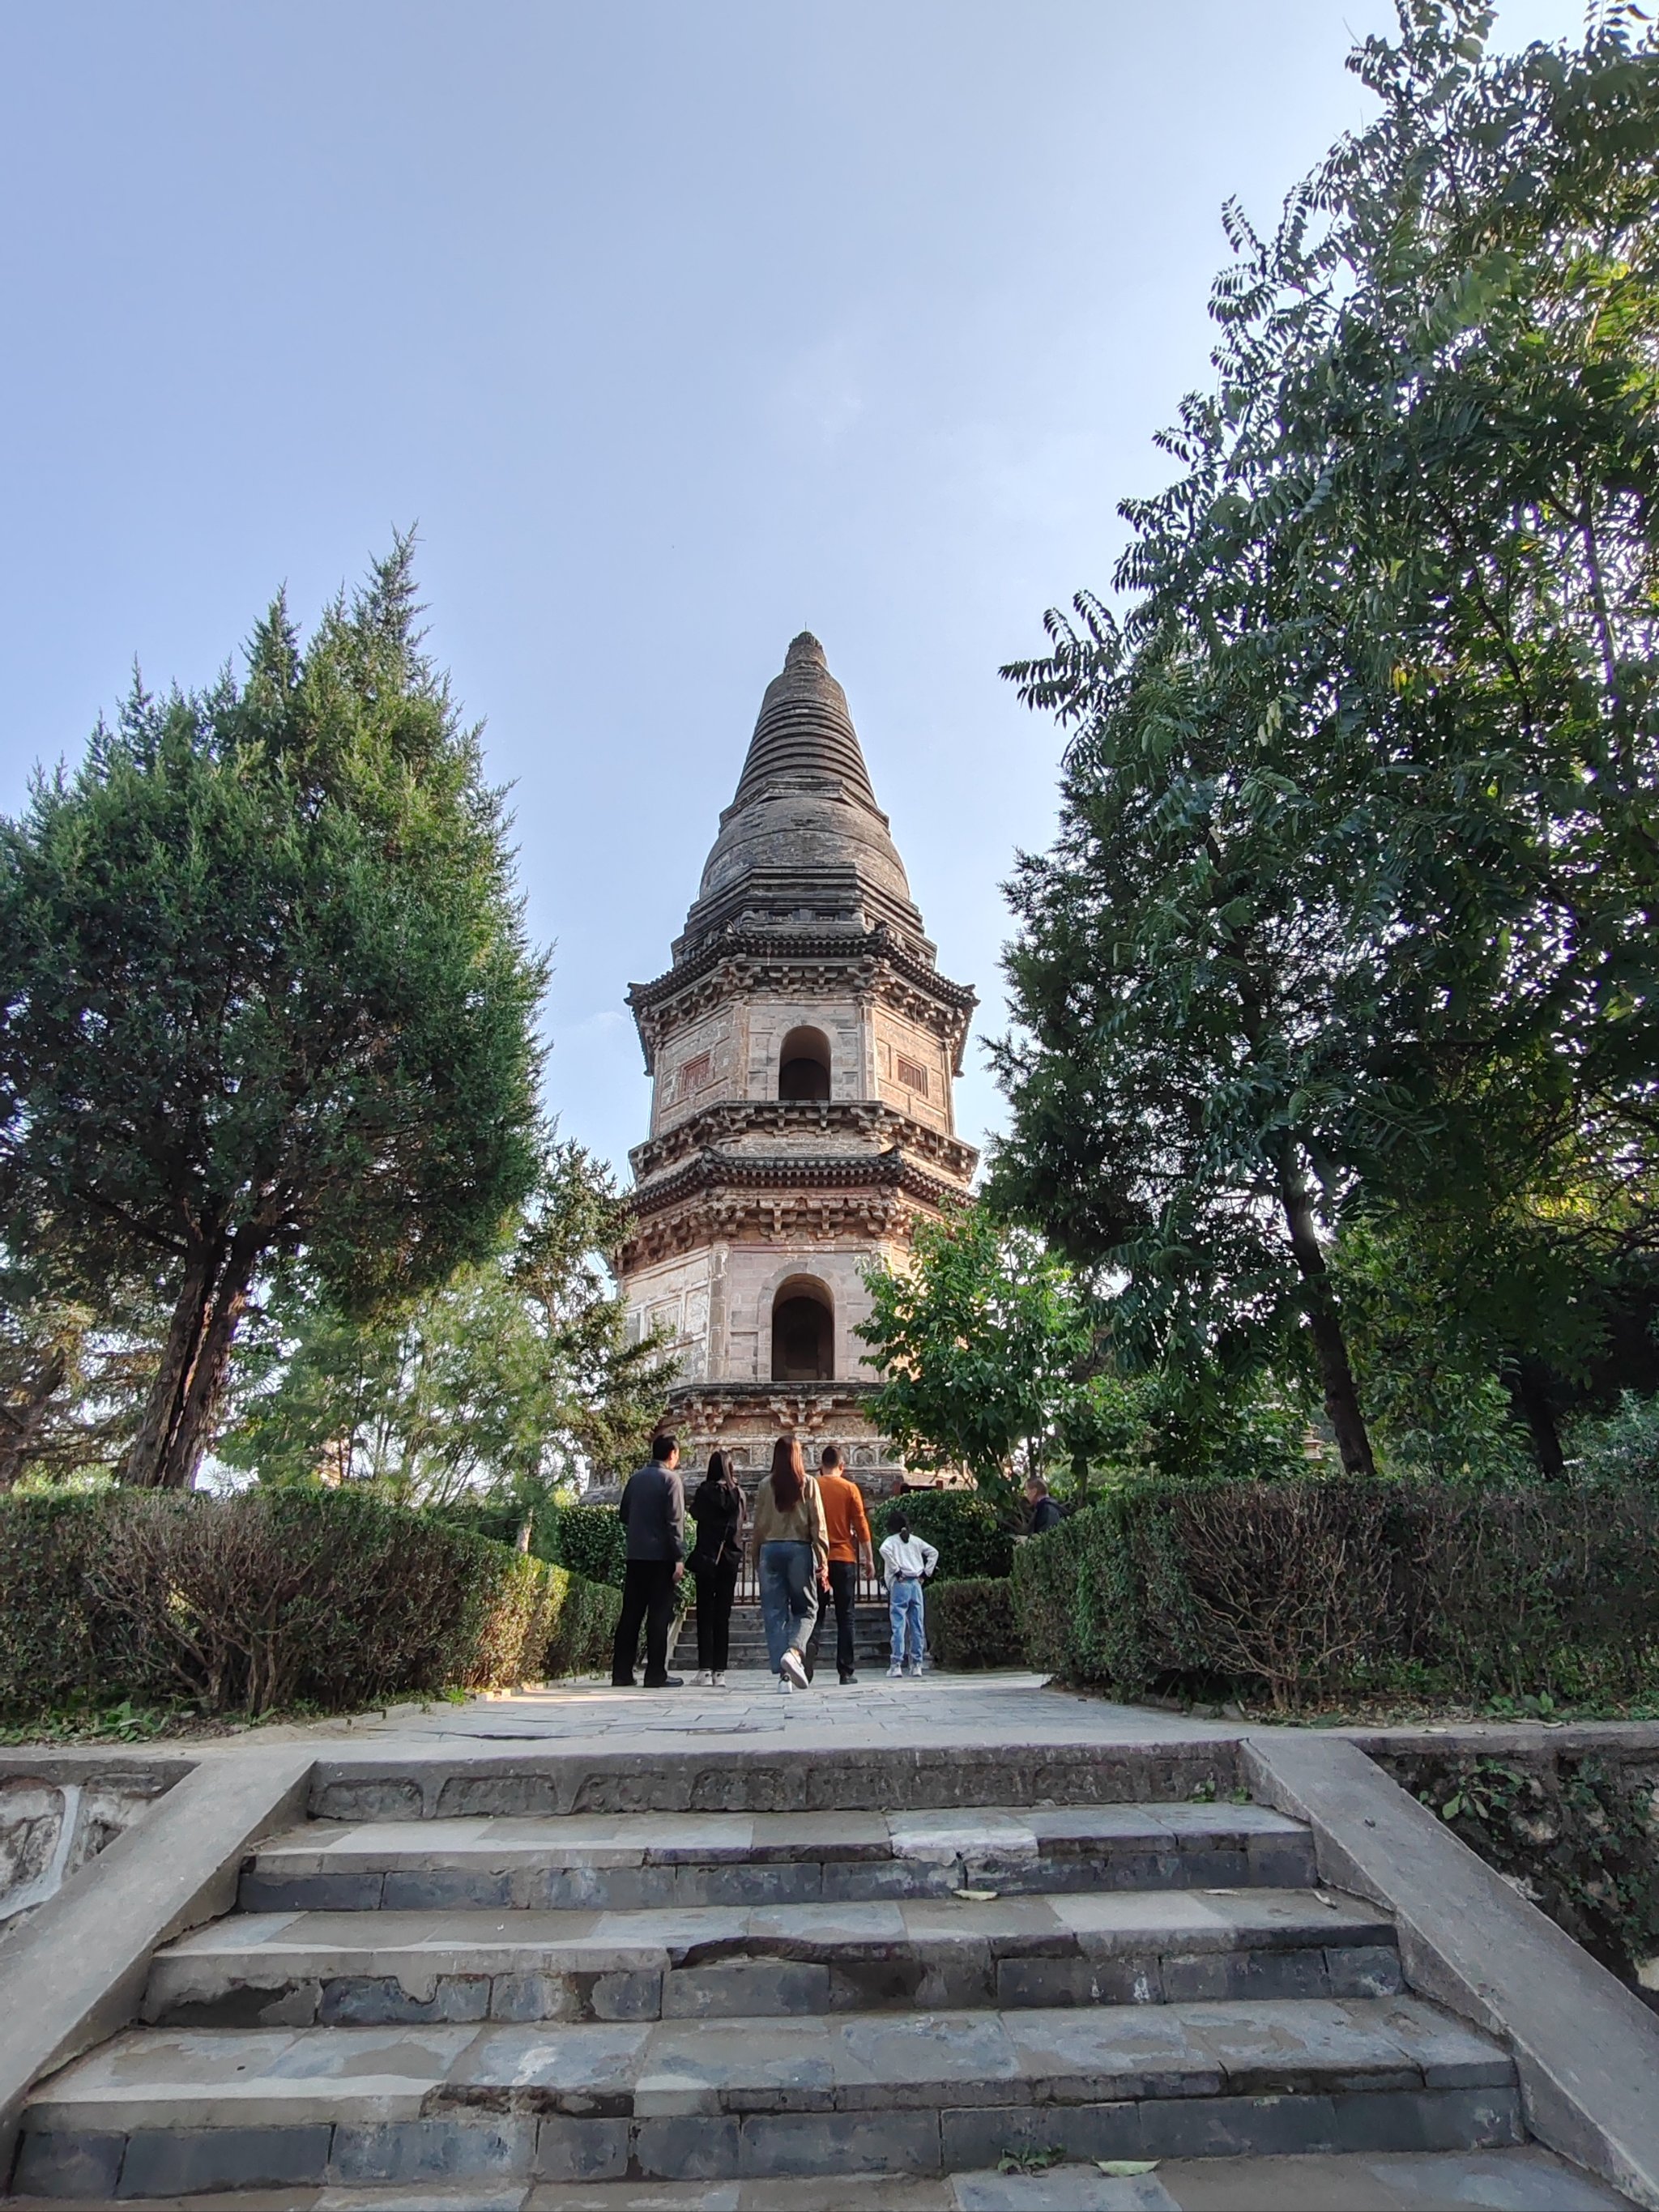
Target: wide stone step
[
  {"x": 1126, "y": 1946},
  {"x": 621, "y": 1862},
  {"x": 159, "y": 2112}
]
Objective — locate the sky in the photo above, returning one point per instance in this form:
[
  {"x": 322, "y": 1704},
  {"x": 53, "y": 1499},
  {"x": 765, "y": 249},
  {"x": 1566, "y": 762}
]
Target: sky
[{"x": 675, "y": 328}]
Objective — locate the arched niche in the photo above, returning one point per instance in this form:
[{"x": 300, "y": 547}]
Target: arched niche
[
  {"x": 804, "y": 1065},
  {"x": 803, "y": 1332}
]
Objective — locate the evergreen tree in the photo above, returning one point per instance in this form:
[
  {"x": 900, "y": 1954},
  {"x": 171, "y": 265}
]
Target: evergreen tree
[{"x": 264, "y": 998}]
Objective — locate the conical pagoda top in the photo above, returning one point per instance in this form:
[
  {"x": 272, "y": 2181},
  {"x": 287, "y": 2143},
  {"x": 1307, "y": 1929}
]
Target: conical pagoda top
[{"x": 804, "y": 845}]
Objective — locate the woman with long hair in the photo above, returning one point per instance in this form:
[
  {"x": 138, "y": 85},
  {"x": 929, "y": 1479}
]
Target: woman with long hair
[
  {"x": 717, "y": 1508},
  {"x": 791, "y": 1552}
]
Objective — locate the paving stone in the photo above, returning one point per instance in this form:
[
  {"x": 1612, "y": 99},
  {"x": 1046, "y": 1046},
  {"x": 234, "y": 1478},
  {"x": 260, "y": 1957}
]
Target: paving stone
[
  {"x": 369, "y": 1999},
  {"x": 1360, "y": 1970},
  {"x": 977, "y": 2136},
  {"x": 699, "y": 2148},
  {"x": 712, "y": 2067},
  {"x": 746, "y": 1988},
  {"x": 442, "y": 1889},
  {"x": 1240, "y": 1974},
  {"x": 459, "y": 2145},
  {"x": 1451, "y": 2056},
  {"x": 70, "y": 2162},
  {"x": 1121, "y": 1979},
  {"x": 1068, "y": 2188},
  {"x": 585, "y": 2072},
  {"x": 895, "y": 2142},
  {"x": 1279, "y": 2047},
  {"x": 263, "y": 1892},
  {"x": 1430, "y": 2119},
  {"x": 1078, "y": 2056},
  {"x": 161, "y": 2161},
  {"x": 570, "y": 2150}
]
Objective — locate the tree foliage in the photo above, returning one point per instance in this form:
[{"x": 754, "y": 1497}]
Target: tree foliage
[
  {"x": 503, "y": 1385},
  {"x": 265, "y": 998},
  {"x": 986, "y": 1346},
  {"x": 1352, "y": 910}
]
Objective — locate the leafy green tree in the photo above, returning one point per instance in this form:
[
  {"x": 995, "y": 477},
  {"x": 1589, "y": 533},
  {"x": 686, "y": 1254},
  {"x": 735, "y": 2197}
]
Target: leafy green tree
[
  {"x": 1352, "y": 905},
  {"x": 987, "y": 1348},
  {"x": 265, "y": 1002},
  {"x": 498, "y": 1388}
]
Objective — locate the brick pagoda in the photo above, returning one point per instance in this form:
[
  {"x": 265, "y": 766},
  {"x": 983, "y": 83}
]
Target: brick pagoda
[{"x": 802, "y": 1049}]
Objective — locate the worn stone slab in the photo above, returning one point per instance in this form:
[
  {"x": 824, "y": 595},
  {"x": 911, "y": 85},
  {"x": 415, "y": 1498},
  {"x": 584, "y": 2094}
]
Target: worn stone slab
[
  {"x": 75, "y": 1972},
  {"x": 257, "y": 1970},
  {"x": 440, "y": 1782},
  {"x": 1524, "y": 2179},
  {"x": 1586, "y": 2051}
]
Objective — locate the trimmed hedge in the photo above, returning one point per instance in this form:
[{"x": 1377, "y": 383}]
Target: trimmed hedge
[
  {"x": 972, "y": 1624},
  {"x": 973, "y": 1545},
  {"x": 279, "y": 1597},
  {"x": 1320, "y": 1588},
  {"x": 591, "y": 1540}
]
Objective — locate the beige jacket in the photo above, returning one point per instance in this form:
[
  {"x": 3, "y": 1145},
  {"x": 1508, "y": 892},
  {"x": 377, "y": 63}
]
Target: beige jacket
[{"x": 804, "y": 1523}]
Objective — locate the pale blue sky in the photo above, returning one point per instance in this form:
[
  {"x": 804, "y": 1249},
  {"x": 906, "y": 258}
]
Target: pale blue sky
[{"x": 679, "y": 326}]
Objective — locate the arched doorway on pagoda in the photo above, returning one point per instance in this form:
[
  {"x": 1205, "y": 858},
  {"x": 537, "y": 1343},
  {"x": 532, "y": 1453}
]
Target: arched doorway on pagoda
[
  {"x": 804, "y": 1065},
  {"x": 803, "y": 1332}
]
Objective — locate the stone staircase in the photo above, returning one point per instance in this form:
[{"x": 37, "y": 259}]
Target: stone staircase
[
  {"x": 747, "y": 1642},
  {"x": 591, "y": 1996}
]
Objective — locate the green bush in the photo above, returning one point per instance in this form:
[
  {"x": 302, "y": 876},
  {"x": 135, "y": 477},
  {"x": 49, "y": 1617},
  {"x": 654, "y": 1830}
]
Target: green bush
[
  {"x": 584, "y": 1625},
  {"x": 971, "y": 1624},
  {"x": 278, "y": 1597},
  {"x": 591, "y": 1540},
  {"x": 1328, "y": 1588},
  {"x": 963, "y": 1526}
]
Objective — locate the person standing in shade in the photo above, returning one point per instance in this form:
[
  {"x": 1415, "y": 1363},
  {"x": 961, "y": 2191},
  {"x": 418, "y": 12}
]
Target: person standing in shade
[
  {"x": 851, "y": 1547},
  {"x": 907, "y": 1561},
  {"x": 717, "y": 1509},
  {"x": 792, "y": 1553},
  {"x": 653, "y": 1511},
  {"x": 1042, "y": 1512}
]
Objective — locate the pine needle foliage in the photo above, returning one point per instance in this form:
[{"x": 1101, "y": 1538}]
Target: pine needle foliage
[{"x": 266, "y": 1000}]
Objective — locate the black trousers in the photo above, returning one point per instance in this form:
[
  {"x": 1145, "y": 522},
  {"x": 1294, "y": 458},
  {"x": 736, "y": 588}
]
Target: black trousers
[
  {"x": 844, "y": 1589},
  {"x": 647, "y": 1596},
  {"x": 717, "y": 1585}
]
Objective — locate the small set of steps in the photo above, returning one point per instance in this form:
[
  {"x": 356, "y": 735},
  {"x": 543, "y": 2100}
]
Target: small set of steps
[
  {"x": 872, "y": 1640},
  {"x": 734, "y": 1995}
]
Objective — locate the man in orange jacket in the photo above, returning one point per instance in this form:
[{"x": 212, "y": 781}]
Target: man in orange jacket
[{"x": 850, "y": 1546}]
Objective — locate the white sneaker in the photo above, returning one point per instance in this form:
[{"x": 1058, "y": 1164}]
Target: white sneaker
[
  {"x": 912, "y": 1674},
  {"x": 794, "y": 1668},
  {"x": 717, "y": 1681},
  {"x": 705, "y": 1681},
  {"x": 785, "y": 1684},
  {"x": 893, "y": 1674}
]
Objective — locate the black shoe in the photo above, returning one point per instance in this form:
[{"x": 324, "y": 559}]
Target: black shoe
[
  {"x": 668, "y": 1682},
  {"x": 623, "y": 1682},
  {"x": 848, "y": 1678}
]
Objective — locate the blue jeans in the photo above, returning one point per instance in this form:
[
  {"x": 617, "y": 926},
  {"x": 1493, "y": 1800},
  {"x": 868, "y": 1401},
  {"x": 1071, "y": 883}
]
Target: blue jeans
[
  {"x": 789, "y": 1598},
  {"x": 904, "y": 1609}
]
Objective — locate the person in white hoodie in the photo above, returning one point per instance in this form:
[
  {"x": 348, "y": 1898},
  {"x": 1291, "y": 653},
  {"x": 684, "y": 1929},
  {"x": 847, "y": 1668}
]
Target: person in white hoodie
[{"x": 907, "y": 1561}]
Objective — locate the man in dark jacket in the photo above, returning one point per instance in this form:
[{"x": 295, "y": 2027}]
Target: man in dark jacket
[
  {"x": 653, "y": 1511},
  {"x": 1042, "y": 1512}
]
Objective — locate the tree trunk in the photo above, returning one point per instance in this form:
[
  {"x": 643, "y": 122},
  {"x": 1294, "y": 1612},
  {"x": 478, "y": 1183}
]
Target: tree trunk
[
  {"x": 20, "y": 1423},
  {"x": 178, "y": 1423},
  {"x": 1324, "y": 1321},
  {"x": 1529, "y": 1382}
]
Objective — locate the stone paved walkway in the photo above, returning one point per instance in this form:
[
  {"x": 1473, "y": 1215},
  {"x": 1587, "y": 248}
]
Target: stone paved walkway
[{"x": 939, "y": 1709}]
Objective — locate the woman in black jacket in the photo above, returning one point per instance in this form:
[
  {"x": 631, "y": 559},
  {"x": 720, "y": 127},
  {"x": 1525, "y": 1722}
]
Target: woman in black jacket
[{"x": 717, "y": 1508}]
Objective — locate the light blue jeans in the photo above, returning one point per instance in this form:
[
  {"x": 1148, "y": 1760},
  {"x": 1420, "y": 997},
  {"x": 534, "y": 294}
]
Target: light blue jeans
[
  {"x": 904, "y": 1610},
  {"x": 788, "y": 1596}
]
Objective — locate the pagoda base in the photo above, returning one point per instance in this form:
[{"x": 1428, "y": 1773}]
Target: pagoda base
[{"x": 747, "y": 1419}]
